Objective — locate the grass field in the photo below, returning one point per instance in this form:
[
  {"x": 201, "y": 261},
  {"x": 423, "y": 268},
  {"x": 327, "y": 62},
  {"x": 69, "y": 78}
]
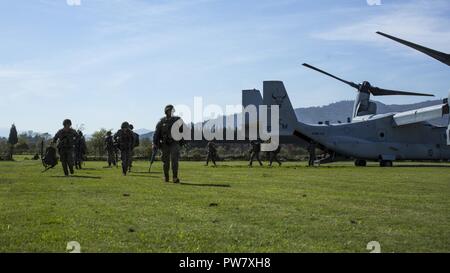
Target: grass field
[{"x": 231, "y": 208}]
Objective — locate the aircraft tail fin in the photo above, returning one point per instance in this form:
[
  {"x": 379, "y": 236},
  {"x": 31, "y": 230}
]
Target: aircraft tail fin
[
  {"x": 275, "y": 94},
  {"x": 251, "y": 97}
]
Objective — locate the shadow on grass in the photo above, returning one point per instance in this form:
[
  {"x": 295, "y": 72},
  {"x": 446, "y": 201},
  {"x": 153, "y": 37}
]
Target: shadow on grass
[
  {"x": 89, "y": 169},
  {"x": 6, "y": 181},
  {"x": 77, "y": 176},
  {"x": 331, "y": 165},
  {"x": 205, "y": 185},
  {"x": 142, "y": 175},
  {"x": 422, "y": 166},
  {"x": 377, "y": 166}
]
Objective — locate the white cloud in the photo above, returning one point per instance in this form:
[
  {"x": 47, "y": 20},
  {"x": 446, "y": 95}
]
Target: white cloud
[
  {"x": 419, "y": 21},
  {"x": 17, "y": 83}
]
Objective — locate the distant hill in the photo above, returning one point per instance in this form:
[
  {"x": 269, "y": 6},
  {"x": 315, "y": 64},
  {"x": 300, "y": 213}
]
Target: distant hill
[
  {"x": 147, "y": 136},
  {"x": 142, "y": 131}
]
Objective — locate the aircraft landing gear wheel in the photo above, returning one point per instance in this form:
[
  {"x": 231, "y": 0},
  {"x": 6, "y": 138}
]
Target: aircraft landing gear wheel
[
  {"x": 386, "y": 163},
  {"x": 360, "y": 163}
]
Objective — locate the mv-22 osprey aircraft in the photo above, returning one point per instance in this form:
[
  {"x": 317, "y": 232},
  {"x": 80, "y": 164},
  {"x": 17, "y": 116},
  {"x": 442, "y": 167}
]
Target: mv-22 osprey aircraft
[{"x": 368, "y": 136}]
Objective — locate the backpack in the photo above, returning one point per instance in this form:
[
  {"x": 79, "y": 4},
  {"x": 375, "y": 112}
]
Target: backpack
[
  {"x": 125, "y": 139},
  {"x": 136, "y": 140},
  {"x": 166, "y": 128},
  {"x": 49, "y": 159},
  {"x": 165, "y": 131},
  {"x": 67, "y": 139}
]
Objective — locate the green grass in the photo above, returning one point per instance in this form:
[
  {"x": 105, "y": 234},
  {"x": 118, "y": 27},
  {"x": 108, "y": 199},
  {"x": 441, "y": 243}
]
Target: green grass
[{"x": 332, "y": 208}]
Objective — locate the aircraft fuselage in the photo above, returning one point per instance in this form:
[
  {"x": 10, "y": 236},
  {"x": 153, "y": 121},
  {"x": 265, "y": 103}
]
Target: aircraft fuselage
[{"x": 377, "y": 138}]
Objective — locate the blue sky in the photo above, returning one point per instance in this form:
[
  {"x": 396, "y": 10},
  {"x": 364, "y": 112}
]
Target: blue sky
[{"x": 107, "y": 61}]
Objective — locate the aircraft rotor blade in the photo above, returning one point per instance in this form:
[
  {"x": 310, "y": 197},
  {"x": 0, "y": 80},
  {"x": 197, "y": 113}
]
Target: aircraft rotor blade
[
  {"x": 352, "y": 84},
  {"x": 386, "y": 92},
  {"x": 440, "y": 56}
]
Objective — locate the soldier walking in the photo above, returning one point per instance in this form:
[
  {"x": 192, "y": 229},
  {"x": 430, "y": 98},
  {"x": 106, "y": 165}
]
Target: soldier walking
[
  {"x": 66, "y": 140},
  {"x": 125, "y": 140},
  {"x": 212, "y": 153},
  {"x": 312, "y": 153},
  {"x": 164, "y": 140},
  {"x": 254, "y": 152},
  {"x": 80, "y": 149},
  {"x": 273, "y": 156},
  {"x": 110, "y": 149},
  {"x": 135, "y": 144}
]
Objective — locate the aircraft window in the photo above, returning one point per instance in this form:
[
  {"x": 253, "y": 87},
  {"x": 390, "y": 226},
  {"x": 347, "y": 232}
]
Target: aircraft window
[{"x": 382, "y": 135}]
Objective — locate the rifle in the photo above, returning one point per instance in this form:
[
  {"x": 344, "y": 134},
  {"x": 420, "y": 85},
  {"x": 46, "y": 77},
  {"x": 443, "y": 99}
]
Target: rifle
[{"x": 153, "y": 157}]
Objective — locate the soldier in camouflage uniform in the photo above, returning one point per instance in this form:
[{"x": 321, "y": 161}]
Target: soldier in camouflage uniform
[
  {"x": 110, "y": 149},
  {"x": 312, "y": 153},
  {"x": 136, "y": 144},
  {"x": 163, "y": 139},
  {"x": 80, "y": 150},
  {"x": 125, "y": 139},
  {"x": 273, "y": 156},
  {"x": 254, "y": 152},
  {"x": 212, "y": 153},
  {"x": 116, "y": 152},
  {"x": 66, "y": 140}
]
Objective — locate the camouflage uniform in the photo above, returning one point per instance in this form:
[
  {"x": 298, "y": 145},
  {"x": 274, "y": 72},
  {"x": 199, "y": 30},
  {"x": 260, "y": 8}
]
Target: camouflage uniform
[
  {"x": 116, "y": 152},
  {"x": 80, "y": 150},
  {"x": 109, "y": 143},
  {"x": 135, "y": 144},
  {"x": 212, "y": 153},
  {"x": 254, "y": 152},
  {"x": 273, "y": 156},
  {"x": 125, "y": 139},
  {"x": 66, "y": 141},
  {"x": 170, "y": 148},
  {"x": 312, "y": 153}
]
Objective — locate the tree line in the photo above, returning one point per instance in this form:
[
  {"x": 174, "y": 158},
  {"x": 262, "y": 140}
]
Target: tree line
[{"x": 29, "y": 143}]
